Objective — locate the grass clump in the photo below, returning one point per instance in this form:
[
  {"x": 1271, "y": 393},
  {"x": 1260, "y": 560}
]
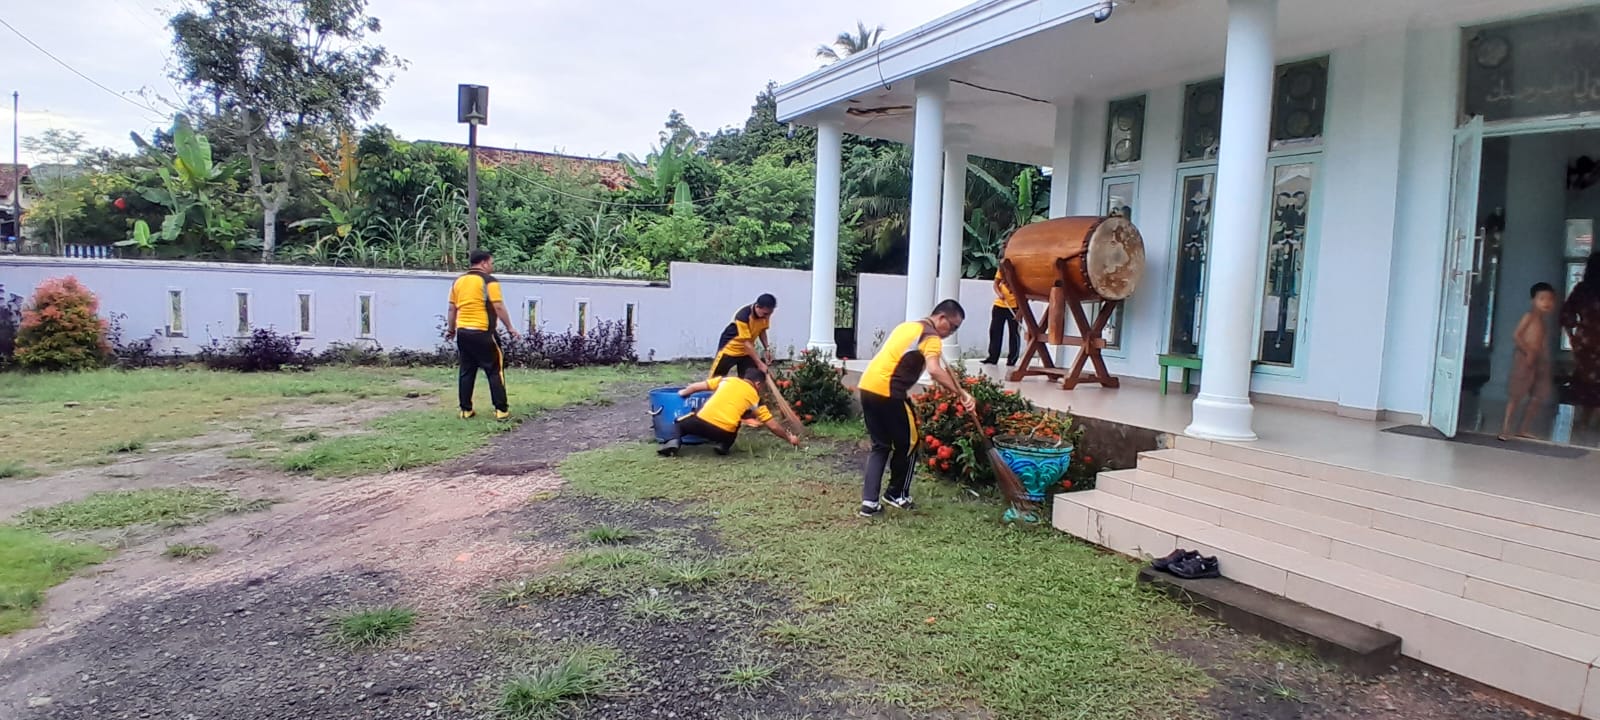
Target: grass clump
[
  {"x": 305, "y": 437},
  {"x": 32, "y": 562},
  {"x": 689, "y": 573},
  {"x": 609, "y": 535},
  {"x": 132, "y": 445},
  {"x": 652, "y": 606},
  {"x": 522, "y": 592},
  {"x": 123, "y": 508},
  {"x": 190, "y": 551},
  {"x": 366, "y": 628},
  {"x": 793, "y": 634},
  {"x": 1018, "y": 621},
  {"x": 557, "y": 688},
  {"x": 607, "y": 559},
  {"x": 749, "y": 676},
  {"x": 14, "y": 470}
]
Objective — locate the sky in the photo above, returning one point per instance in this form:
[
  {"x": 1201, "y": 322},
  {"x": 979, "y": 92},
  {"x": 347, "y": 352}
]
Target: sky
[{"x": 586, "y": 77}]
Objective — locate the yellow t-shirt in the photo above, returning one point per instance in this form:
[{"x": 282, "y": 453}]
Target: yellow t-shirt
[
  {"x": 1004, "y": 297},
  {"x": 745, "y": 327},
  {"x": 467, "y": 297},
  {"x": 732, "y": 398},
  {"x": 897, "y": 367}
]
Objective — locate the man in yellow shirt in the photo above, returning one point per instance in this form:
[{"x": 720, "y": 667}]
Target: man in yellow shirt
[
  {"x": 912, "y": 348},
  {"x": 736, "y": 349},
  {"x": 734, "y": 400},
  {"x": 475, "y": 305},
  {"x": 1003, "y": 320}
]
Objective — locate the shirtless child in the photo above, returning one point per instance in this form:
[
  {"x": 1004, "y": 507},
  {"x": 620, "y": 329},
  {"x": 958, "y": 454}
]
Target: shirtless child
[{"x": 1530, "y": 363}]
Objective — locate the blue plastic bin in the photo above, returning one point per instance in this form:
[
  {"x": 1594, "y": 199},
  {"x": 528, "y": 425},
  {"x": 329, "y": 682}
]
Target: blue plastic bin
[{"x": 666, "y": 407}]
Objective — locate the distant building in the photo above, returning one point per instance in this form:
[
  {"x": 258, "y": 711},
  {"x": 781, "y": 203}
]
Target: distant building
[
  {"x": 612, "y": 173},
  {"x": 9, "y": 177}
]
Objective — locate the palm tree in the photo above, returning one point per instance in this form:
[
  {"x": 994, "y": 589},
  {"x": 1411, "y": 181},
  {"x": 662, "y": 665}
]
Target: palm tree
[{"x": 848, "y": 44}]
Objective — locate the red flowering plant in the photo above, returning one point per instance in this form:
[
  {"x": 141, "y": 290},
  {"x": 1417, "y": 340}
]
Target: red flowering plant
[
  {"x": 61, "y": 329},
  {"x": 950, "y": 441},
  {"x": 814, "y": 387}
]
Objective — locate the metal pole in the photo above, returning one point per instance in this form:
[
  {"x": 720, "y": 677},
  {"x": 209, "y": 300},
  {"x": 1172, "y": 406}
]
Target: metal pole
[
  {"x": 16, "y": 168},
  {"x": 472, "y": 186}
]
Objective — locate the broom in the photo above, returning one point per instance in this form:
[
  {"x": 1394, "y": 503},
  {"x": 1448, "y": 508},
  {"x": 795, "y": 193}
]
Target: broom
[
  {"x": 1004, "y": 477},
  {"x": 789, "y": 418}
]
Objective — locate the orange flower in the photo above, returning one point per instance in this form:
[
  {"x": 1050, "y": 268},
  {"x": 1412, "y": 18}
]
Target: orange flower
[
  {"x": 933, "y": 464},
  {"x": 946, "y": 452}
]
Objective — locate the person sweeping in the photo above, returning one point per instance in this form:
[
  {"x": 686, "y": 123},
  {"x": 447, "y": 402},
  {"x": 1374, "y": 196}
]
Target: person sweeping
[
  {"x": 736, "y": 348},
  {"x": 913, "y": 347},
  {"x": 734, "y": 401},
  {"x": 475, "y": 306}
]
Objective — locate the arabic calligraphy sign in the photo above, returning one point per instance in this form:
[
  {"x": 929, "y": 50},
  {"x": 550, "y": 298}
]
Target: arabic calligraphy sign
[{"x": 1542, "y": 67}]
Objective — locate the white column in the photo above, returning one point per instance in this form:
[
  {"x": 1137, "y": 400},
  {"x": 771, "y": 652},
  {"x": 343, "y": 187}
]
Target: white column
[
  {"x": 1222, "y": 411},
  {"x": 1062, "y": 187},
  {"x": 825, "y": 236},
  {"x": 952, "y": 233},
  {"x": 927, "y": 170}
]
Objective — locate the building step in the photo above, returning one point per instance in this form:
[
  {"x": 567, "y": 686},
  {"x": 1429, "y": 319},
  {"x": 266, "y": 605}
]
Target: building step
[
  {"x": 1538, "y": 660},
  {"x": 1560, "y": 599},
  {"x": 1561, "y": 519},
  {"x": 1512, "y": 541},
  {"x": 1363, "y": 650}
]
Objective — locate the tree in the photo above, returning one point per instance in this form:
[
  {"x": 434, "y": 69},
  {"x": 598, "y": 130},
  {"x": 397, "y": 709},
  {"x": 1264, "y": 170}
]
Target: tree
[
  {"x": 61, "y": 147},
  {"x": 848, "y": 44},
  {"x": 277, "y": 70}
]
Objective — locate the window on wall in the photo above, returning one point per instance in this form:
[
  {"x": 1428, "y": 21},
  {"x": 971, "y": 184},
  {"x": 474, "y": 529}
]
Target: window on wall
[
  {"x": 364, "y": 319},
  {"x": 302, "y": 313},
  {"x": 1202, "y": 121},
  {"x": 530, "y": 311},
  {"x": 583, "y": 317},
  {"x": 1195, "y": 194},
  {"x": 1125, "y": 133},
  {"x": 241, "y": 301},
  {"x": 1119, "y": 196},
  {"x": 175, "y": 326},
  {"x": 1520, "y": 70},
  {"x": 1299, "y": 103},
  {"x": 1293, "y": 182},
  {"x": 629, "y": 318}
]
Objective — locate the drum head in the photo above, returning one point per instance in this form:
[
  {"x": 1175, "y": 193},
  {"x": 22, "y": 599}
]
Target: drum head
[{"x": 1116, "y": 259}]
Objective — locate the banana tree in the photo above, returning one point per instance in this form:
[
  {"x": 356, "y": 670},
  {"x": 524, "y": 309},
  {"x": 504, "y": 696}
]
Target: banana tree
[{"x": 193, "y": 188}]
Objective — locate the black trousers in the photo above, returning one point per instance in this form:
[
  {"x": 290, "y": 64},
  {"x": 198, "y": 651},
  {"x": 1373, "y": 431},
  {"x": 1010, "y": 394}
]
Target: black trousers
[
  {"x": 1003, "y": 320},
  {"x": 892, "y": 425},
  {"x": 723, "y": 362},
  {"x": 479, "y": 350},
  {"x": 691, "y": 424}
]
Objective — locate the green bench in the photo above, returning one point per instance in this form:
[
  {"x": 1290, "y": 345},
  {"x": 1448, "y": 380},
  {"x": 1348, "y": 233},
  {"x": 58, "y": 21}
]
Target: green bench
[{"x": 1189, "y": 363}]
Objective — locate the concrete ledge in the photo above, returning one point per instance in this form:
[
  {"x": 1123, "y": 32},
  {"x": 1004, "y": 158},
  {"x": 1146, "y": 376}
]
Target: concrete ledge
[{"x": 1363, "y": 650}]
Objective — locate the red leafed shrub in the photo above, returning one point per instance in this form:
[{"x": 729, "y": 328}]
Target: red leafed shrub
[{"x": 60, "y": 328}]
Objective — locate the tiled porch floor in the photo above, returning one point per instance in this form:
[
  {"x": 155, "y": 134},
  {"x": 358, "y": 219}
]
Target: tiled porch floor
[{"x": 1357, "y": 444}]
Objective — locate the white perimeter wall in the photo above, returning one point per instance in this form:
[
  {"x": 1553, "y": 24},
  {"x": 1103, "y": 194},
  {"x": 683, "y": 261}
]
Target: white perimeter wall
[{"x": 683, "y": 320}]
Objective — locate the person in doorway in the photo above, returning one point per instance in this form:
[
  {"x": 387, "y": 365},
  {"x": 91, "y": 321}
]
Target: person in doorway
[
  {"x": 1580, "y": 318},
  {"x": 734, "y": 401},
  {"x": 736, "y": 349},
  {"x": 475, "y": 306},
  {"x": 1003, "y": 320},
  {"x": 1530, "y": 364},
  {"x": 913, "y": 347}
]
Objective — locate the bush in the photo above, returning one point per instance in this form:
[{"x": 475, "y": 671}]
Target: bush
[
  {"x": 814, "y": 389},
  {"x": 133, "y": 354},
  {"x": 60, "y": 330},
  {"x": 10, "y": 320},
  {"x": 266, "y": 350},
  {"x": 954, "y": 448},
  {"x": 607, "y": 343},
  {"x": 367, "y": 354}
]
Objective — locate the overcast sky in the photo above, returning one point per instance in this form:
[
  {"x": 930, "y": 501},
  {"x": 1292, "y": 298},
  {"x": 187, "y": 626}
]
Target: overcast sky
[{"x": 588, "y": 77}]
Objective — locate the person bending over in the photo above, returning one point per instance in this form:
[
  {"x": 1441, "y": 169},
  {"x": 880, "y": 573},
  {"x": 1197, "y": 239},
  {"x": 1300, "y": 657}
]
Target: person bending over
[
  {"x": 734, "y": 401},
  {"x": 736, "y": 349}
]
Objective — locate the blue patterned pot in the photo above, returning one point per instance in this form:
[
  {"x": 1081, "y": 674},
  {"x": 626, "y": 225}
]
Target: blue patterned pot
[{"x": 1039, "y": 469}]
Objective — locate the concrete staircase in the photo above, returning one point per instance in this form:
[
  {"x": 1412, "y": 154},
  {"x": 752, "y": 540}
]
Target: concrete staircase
[{"x": 1502, "y": 591}]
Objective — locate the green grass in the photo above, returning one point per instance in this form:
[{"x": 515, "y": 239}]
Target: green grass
[
  {"x": 366, "y": 628},
  {"x": 607, "y": 559},
  {"x": 850, "y": 430},
  {"x": 189, "y": 551},
  {"x": 609, "y": 535},
  {"x": 124, "y": 447},
  {"x": 1025, "y": 622},
  {"x": 750, "y": 676},
  {"x": 652, "y": 606},
  {"x": 793, "y": 634},
  {"x": 122, "y": 508},
  {"x": 417, "y": 438},
  {"x": 688, "y": 573},
  {"x": 32, "y": 562},
  {"x": 14, "y": 470},
  {"x": 556, "y": 689}
]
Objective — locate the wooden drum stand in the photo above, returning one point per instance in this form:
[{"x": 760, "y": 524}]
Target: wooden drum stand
[{"x": 1064, "y": 298}]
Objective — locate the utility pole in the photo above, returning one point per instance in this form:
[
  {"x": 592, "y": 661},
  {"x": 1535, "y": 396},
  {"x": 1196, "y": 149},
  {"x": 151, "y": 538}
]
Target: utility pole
[
  {"x": 16, "y": 167},
  {"x": 472, "y": 108}
]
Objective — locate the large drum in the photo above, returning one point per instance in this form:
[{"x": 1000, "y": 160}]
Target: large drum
[{"x": 1104, "y": 256}]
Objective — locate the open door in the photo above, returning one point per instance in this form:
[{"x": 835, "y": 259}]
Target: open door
[{"x": 1461, "y": 243}]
